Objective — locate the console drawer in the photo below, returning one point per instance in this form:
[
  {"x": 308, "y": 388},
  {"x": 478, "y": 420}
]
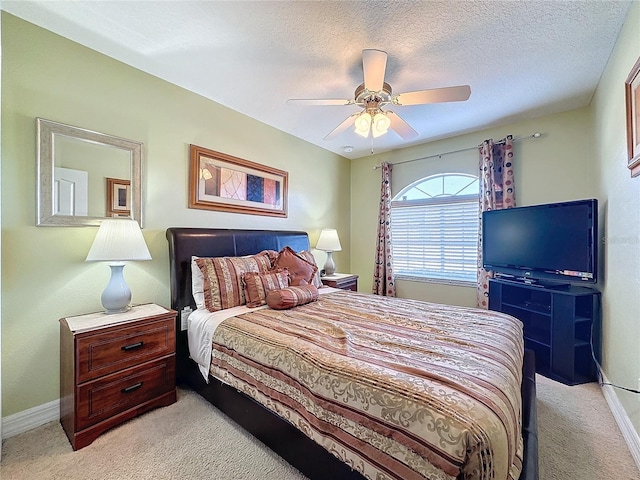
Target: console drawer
[
  {"x": 106, "y": 351},
  {"x": 108, "y": 396}
]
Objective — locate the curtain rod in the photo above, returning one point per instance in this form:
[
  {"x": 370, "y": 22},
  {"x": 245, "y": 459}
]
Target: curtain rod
[{"x": 439, "y": 155}]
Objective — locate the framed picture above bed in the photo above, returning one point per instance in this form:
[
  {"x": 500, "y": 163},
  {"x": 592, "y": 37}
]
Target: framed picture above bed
[
  {"x": 218, "y": 181},
  {"x": 632, "y": 94}
]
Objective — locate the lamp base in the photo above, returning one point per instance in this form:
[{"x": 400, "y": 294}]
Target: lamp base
[
  {"x": 329, "y": 265},
  {"x": 121, "y": 310},
  {"x": 116, "y": 297}
]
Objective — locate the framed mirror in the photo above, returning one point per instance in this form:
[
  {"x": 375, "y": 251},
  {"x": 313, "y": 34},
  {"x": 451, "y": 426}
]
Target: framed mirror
[{"x": 86, "y": 176}]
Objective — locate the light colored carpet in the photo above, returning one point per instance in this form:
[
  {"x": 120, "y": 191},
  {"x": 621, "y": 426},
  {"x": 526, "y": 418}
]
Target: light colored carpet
[
  {"x": 187, "y": 440},
  {"x": 578, "y": 437}
]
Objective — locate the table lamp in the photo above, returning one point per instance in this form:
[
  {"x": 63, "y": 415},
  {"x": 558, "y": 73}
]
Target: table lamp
[
  {"x": 329, "y": 242},
  {"x": 117, "y": 241}
]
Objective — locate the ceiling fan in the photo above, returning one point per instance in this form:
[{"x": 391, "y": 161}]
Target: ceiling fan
[{"x": 375, "y": 93}]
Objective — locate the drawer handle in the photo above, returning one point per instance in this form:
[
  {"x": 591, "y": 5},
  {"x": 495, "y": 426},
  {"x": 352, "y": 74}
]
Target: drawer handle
[
  {"x": 132, "y": 388},
  {"x": 133, "y": 346}
]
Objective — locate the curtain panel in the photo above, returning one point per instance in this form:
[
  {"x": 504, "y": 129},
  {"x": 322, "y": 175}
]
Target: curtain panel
[
  {"x": 383, "y": 279},
  {"x": 497, "y": 191}
]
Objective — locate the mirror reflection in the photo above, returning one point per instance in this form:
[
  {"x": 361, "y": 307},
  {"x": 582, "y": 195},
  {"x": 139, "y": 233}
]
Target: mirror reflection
[
  {"x": 85, "y": 176},
  {"x": 80, "y": 172}
]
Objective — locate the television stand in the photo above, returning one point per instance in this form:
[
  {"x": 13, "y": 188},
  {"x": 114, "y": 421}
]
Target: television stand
[{"x": 560, "y": 324}]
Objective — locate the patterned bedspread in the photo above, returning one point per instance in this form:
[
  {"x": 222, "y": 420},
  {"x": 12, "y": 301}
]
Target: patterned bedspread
[{"x": 397, "y": 389}]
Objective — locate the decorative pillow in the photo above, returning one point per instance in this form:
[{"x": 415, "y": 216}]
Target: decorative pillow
[
  {"x": 223, "y": 287},
  {"x": 257, "y": 285},
  {"x": 301, "y": 271},
  {"x": 292, "y": 297},
  {"x": 273, "y": 256},
  {"x": 308, "y": 256}
]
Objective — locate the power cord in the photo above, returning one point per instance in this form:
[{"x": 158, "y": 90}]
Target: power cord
[{"x": 601, "y": 382}]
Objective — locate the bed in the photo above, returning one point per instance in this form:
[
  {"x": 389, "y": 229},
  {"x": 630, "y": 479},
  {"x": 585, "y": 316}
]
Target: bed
[{"x": 296, "y": 447}]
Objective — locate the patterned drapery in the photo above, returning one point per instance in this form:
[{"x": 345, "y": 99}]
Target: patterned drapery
[
  {"x": 383, "y": 281},
  {"x": 497, "y": 191}
]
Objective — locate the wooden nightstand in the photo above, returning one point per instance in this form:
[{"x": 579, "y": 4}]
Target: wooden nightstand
[
  {"x": 113, "y": 368},
  {"x": 344, "y": 281}
]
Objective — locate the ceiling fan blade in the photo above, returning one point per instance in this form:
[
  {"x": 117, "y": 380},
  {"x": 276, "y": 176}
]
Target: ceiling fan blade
[
  {"x": 374, "y": 64},
  {"x": 434, "y": 95},
  {"x": 319, "y": 101},
  {"x": 343, "y": 126},
  {"x": 401, "y": 127}
]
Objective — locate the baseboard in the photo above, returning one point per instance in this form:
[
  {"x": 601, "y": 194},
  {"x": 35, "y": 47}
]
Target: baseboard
[
  {"x": 622, "y": 419},
  {"x": 27, "y": 419}
]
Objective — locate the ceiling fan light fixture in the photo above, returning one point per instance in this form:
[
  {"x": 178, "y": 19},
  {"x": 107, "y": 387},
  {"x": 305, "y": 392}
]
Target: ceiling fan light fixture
[
  {"x": 363, "y": 124},
  {"x": 374, "y": 94},
  {"x": 381, "y": 124}
]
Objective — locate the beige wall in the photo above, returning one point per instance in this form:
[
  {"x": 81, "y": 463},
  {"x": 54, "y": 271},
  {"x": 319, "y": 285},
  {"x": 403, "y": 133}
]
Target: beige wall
[
  {"x": 620, "y": 215},
  {"x": 44, "y": 276},
  {"x": 558, "y": 166}
]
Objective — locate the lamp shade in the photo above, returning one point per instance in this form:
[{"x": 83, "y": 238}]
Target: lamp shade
[
  {"x": 118, "y": 240},
  {"x": 329, "y": 241}
]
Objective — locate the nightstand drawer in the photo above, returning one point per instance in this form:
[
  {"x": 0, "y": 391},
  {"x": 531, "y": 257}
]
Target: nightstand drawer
[
  {"x": 105, "y": 351},
  {"x": 108, "y": 396}
]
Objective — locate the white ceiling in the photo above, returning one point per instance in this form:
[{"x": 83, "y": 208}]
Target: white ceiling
[{"x": 522, "y": 59}]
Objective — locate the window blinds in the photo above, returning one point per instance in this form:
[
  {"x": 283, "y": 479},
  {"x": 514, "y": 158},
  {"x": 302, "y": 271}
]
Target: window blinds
[{"x": 436, "y": 240}]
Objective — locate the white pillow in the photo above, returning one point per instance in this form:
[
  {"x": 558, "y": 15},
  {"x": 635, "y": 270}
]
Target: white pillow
[{"x": 197, "y": 283}]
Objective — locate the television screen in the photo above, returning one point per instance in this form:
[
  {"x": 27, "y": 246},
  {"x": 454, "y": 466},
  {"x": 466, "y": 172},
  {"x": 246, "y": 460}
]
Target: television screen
[{"x": 555, "y": 242}]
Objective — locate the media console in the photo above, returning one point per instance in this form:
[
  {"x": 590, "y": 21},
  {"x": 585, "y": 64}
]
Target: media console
[{"x": 560, "y": 325}]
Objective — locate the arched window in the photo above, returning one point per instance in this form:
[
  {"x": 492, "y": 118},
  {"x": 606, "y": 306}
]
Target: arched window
[{"x": 434, "y": 229}]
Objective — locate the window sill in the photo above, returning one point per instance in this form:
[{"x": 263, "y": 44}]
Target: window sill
[{"x": 442, "y": 281}]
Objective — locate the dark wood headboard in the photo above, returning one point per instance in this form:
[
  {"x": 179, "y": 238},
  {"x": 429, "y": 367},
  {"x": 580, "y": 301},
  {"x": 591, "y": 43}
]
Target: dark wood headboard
[{"x": 214, "y": 242}]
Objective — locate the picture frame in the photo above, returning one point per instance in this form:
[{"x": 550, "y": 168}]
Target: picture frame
[
  {"x": 118, "y": 197},
  {"x": 222, "y": 182},
  {"x": 632, "y": 96}
]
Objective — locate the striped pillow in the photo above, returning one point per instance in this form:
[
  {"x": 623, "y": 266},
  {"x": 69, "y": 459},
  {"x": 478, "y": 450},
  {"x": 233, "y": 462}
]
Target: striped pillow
[
  {"x": 308, "y": 256},
  {"x": 257, "y": 285},
  {"x": 223, "y": 287},
  {"x": 292, "y": 297}
]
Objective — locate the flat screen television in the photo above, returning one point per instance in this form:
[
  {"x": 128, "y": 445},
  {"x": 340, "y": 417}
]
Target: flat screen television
[{"x": 554, "y": 243}]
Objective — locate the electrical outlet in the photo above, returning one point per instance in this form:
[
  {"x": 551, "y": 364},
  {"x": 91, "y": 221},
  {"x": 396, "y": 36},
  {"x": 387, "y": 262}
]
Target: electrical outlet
[{"x": 184, "y": 316}]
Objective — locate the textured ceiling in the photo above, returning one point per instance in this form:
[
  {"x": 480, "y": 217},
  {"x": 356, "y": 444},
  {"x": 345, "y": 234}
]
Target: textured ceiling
[{"x": 522, "y": 59}]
